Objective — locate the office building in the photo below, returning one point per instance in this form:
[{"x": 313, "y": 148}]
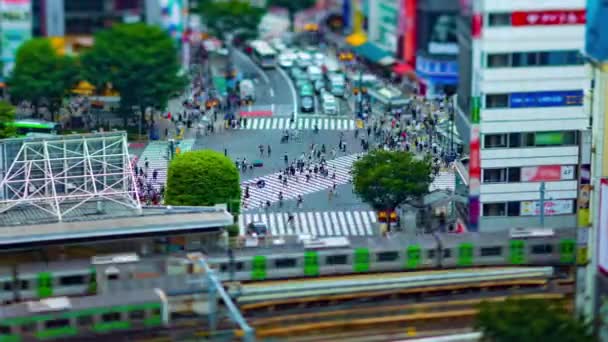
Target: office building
[{"x": 520, "y": 106}]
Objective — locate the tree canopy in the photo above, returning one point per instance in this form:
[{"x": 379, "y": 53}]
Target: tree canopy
[
  {"x": 386, "y": 179},
  {"x": 139, "y": 61},
  {"x": 202, "y": 178},
  {"x": 7, "y": 115},
  {"x": 231, "y": 16},
  {"x": 519, "y": 320},
  {"x": 41, "y": 74}
]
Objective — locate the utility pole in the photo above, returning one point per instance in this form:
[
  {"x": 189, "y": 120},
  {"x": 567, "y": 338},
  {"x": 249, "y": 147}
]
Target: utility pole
[
  {"x": 360, "y": 95},
  {"x": 542, "y": 204}
]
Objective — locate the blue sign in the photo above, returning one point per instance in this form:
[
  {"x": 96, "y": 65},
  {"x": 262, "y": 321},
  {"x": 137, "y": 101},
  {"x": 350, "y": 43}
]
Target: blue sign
[
  {"x": 546, "y": 99},
  {"x": 432, "y": 67},
  {"x": 596, "y": 44}
]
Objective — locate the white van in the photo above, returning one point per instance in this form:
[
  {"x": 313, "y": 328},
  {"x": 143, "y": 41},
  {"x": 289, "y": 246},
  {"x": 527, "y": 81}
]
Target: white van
[
  {"x": 314, "y": 73},
  {"x": 329, "y": 104},
  {"x": 304, "y": 60}
]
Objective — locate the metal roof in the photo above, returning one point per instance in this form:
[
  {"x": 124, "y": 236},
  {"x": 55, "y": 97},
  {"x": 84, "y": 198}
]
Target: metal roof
[{"x": 22, "y": 225}]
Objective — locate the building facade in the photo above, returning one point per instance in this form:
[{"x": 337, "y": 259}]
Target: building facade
[
  {"x": 437, "y": 53},
  {"x": 521, "y": 101}
]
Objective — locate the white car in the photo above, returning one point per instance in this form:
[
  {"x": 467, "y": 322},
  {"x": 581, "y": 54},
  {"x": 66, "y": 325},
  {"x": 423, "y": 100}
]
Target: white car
[
  {"x": 278, "y": 44},
  {"x": 319, "y": 59},
  {"x": 329, "y": 104},
  {"x": 285, "y": 62},
  {"x": 304, "y": 60}
]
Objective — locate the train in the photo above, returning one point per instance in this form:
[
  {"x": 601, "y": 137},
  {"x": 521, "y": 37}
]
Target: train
[{"x": 283, "y": 258}]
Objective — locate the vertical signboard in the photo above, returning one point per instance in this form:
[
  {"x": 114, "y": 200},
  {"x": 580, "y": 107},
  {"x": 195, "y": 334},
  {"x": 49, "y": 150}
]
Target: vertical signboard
[
  {"x": 474, "y": 168},
  {"x": 173, "y": 17},
  {"x": 15, "y": 28},
  {"x": 603, "y": 227}
]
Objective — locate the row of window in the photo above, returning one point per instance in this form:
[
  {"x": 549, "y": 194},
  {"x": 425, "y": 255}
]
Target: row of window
[
  {"x": 535, "y": 58},
  {"x": 530, "y": 139},
  {"x": 72, "y": 280},
  {"x": 85, "y": 321},
  {"x": 508, "y": 175},
  {"x": 504, "y": 208}
]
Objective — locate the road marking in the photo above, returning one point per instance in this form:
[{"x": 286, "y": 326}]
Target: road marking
[
  {"x": 271, "y": 92},
  {"x": 359, "y": 223},
  {"x": 328, "y": 225},
  {"x": 275, "y": 123},
  {"x": 326, "y": 123},
  {"x": 342, "y": 221},
  {"x": 294, "y": 96},
  {"x": 351, "y": 224},
  {"x": 311, "y": 219},
  {"x": 320, "y": 226},
  {"x": 368, "y": 225}
]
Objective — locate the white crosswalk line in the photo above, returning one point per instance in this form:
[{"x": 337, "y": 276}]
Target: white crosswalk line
[
  {"x": 352, "y": 124},
  {"x": 306, "y": 123},
  {"x": 296, "y": 228},
  {"x": 329, "y": 225},
  {"x": 275, "y": 123},
  {"x": 372, "y": 215},
  {"x": 304, "y": 226},
  {"x": 271, "y": 225},
  {"x": 326, "y": 123},
  {"x": 320, "y": 225},
  {"x": 268, "y": 123},
  {"x": 343, "y": 223},
  {"x": 255, "y": 218},
  {"x": 303, "y": 123},
  {"x": 367, "y": 224},
  {"x": 340, "y": 125},
  {"x": 311, "y": 221},
  {"x": 255, "y": 123},
  {"x": 351, "y": 223},
  {"x": 358, "y": 223}
]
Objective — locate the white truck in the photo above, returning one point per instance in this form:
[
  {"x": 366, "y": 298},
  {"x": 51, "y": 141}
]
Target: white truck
[{"x": 246, "y": 92}]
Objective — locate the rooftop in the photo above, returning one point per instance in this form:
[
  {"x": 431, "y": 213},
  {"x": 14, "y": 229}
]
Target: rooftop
[{"x": 103, "y": 218}]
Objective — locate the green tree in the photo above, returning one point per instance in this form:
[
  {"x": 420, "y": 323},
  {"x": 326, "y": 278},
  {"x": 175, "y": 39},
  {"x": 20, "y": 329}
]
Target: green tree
[
  {"x": 202, "y": 178},
  {"x": 231, "y": 16},
  {"x": 525, "y": 320},
  {"x": 139, "y": 61},
  {"x": 292, "y": 6},
  {"x": 7, "y": 115},
  {"x": 386, "y": 179},
  {"x": 42, "y": 75}
]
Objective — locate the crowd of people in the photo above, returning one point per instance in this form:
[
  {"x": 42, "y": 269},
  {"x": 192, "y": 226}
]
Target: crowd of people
[{"x": 149, "y": 190}]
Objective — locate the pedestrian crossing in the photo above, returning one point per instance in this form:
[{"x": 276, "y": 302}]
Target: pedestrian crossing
[
  {"x": 296, "y": 185},
  {"x": 445, "y": 180},
  {"x": 302, "y": 123},
  {"x": 157, "y": 154},
  {"x": 316, "y": 223}
]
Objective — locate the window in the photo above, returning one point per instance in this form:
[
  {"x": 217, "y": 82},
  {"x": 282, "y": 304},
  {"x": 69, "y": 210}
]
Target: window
[
  {"x": 238, "y": 266},
  {"x": 71, "y": 280},
  {"x": 491, "y": 251},
  {"x": 336, "y": 260},
  {"x": 57, "y": 323},
  {"x": 497, "y": 101},
  {"x": 514, "y": 174},
  {"x": 431, "y": 254},
  {"x": 498, "y": 60},
  {"x": 28, "y": 327},
  {"x": 542, "y": 249},
  {"x": 285, "y": 263},
  {"x": 110, "y": 317},
  {"x": 570, "y": 138},
  {"x": 494, "y": 140},
  {"x": 7, "y": 286},
  {"x": 528, "y": 139},
  {"x": 514, "y": 139},
  {"x": 24, "y": 284},
  {"x": 447, "y": 253},
  {"x": 112, "y": 276},
  {"x": 499, "y": 19},
  {"x": 494, "y": 209},
  {"x": 84, "y": 321},
  {"x": 525, "y": 59},
  {"x": 137, "y": 315},
  {"x": 387, "y": 256},
  {"x": 513, "y": 208},
  {"x": 4, "y": 330},
  {"x": 494, "y": 175}
]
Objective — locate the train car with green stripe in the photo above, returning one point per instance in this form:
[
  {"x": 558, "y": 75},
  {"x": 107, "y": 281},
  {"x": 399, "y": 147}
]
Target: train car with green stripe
[
  {"x": 59, "y": 318},
  {"x": 69, "y": 278}
]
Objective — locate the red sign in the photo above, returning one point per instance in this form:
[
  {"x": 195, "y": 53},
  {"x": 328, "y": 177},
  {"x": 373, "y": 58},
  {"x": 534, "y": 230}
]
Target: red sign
[
  {"x": 565, "y": 17},
  {"x": 547, "y": 173}
]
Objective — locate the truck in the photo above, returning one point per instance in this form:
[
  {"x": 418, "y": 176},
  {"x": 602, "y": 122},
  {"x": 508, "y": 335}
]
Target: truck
[{"x": 247, "y": 92}]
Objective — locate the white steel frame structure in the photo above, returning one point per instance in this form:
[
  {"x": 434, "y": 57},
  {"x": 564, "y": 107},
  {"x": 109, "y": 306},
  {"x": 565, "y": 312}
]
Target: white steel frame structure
[{"x": 58, "y": 175}]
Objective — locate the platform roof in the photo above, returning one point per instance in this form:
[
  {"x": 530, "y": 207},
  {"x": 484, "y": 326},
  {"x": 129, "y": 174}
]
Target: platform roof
[{"x": 105, "y": 219}]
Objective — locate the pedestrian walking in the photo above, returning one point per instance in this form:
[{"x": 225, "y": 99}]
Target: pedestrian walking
[
  {"x": 154, "y": 175},
  {"x": 268, "y": 150}
]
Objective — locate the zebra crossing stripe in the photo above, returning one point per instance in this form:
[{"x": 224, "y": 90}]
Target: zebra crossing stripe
[
  {"x": 342, "y": 222},
  {"x": 329, "y": 227},
  {"x": 320, "y": 225},
  {"x": 366, "y": 226},
  {"x": 351, "y": 223},
  {"x": 282, "y": 123}
]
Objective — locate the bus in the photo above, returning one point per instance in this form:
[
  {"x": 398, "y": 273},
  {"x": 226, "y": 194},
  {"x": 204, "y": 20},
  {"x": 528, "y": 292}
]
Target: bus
[
  {"x": 30, "y": 126},
  {"x": 263, "y": 54}
]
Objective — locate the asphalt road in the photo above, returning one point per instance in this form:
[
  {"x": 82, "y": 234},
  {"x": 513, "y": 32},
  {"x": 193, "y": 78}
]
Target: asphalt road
[{"x": 273, "y": 88}]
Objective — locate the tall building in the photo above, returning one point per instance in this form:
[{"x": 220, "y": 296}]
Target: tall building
[{"x": 520, "y": 105}]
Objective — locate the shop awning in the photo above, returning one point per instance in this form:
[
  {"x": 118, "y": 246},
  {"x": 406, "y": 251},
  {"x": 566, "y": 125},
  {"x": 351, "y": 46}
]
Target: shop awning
[
  {"x": 402, "y": 69},
  {"x": 356, "y": 39},
  {"x": 374, "y": 54}
]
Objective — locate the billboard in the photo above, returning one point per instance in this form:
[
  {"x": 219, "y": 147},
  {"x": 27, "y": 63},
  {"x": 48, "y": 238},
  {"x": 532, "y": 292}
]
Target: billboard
[
  {"x": 546, "y": 99},
  {"x": 603, "y": 227},
  {"x": 15, "y": 28},
  {"x": 560, "y": 17},
  {"x": 596, "y": 39},
  {"x": 547, "y": 173},
  {"x": 552, "y": 207}
]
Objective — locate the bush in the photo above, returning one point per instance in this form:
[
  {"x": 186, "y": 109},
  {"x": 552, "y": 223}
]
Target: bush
[{"x": 202, "y": 178}]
